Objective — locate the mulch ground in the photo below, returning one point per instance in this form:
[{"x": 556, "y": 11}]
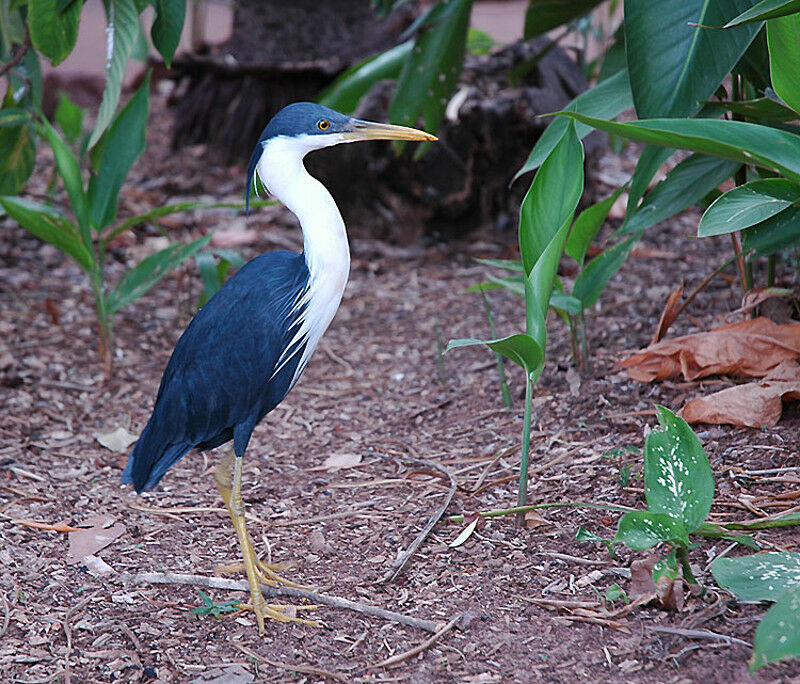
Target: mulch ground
[{"x": 377, "y": 391}]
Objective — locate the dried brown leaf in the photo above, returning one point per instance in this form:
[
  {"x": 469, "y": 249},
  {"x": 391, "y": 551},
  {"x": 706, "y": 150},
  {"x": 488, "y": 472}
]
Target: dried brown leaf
[
  {"x": 87, "y": 542},
  {"x": 642, "y": 584},
  {"x": 336, "y": 462},
  {"x": 751, "y": 348},
  {"x": 755, "y": 404},
  {"x": 117, "y": 440},
  {"x": 669, "y": 314}
]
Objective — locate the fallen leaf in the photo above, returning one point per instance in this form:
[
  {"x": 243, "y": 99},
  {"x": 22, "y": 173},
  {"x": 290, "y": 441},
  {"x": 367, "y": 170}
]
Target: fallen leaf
[
  {"x": 670, "y": 593},
  {"x": 534, "y": 519},
  {"x": 751, "y": 348},
  {"x": 86, "y": 542},
  {"x": 466, "y": 533},
  {"x": 97, "y": 566},
  {"x": 57, "y": 527},
  {"x": 755, "y": 404},
  {"x": 669, "y": 314},
  {"x": 117, "y": 440},
  {"x": 642, "y": 584},
  {"x": 336, "y": 462},
  {"x": 574, "y": 382},
  {"x": 759, "y": 295}
]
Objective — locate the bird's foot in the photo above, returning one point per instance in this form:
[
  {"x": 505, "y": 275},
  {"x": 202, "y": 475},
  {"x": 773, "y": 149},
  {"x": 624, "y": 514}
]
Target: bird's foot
[
  {"x": 275, "y": 611},
  {"x": 267, "y": 573}
]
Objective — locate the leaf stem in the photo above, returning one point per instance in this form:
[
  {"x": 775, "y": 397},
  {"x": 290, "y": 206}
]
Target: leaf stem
[
  {"x": 501, "y": 368},
  {"x": 522, "y": 497}
]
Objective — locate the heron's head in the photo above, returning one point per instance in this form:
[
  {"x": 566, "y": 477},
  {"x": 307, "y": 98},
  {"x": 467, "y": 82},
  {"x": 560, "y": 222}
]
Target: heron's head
[{"x": 309, "y": 126}]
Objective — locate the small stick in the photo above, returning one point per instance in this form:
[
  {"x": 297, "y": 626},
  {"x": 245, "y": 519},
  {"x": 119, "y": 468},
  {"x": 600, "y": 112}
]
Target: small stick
[
  {"x": 278, "y": 592},
  {"x": 400, "y": 563},
  {"x": 58, "y": 527},
  {"x": 305, "y": 669},
  {"x": 699, "y": 634},
  {"x": 418, "y": 649},
  {"x": 6, "y": 615}
]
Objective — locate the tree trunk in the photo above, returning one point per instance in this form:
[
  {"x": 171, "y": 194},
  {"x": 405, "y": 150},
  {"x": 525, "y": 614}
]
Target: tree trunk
[{"x": 279, "y": 52}]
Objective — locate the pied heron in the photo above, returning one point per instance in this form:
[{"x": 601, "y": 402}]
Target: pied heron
[{"x": 246, "y": 348}]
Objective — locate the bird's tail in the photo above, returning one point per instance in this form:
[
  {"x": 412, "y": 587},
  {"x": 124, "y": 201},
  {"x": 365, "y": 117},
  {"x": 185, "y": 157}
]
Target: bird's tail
[{"x": 151, "y": 458}]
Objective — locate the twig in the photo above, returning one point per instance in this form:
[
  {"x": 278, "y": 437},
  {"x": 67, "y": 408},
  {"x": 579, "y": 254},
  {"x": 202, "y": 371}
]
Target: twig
[
  {"x": 16, "y": 59},
  {"x": 68, "y": 632},
  {"x": 418, "y": 649},
  {"x": 400, "y": 563},
  {"x": 699, "y": 634},
  {"x": 279, "y": 592},
  {"x": 6, "y": 615},
  {"x": 305, "y": 669}
]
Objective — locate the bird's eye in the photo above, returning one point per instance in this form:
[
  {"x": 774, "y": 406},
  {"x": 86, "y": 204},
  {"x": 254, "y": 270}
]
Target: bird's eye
[{"x": 323, "y": 124}]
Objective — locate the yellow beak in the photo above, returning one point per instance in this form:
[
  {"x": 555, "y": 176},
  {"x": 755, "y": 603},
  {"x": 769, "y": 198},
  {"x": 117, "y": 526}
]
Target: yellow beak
[{"x": 369, "y": 130}]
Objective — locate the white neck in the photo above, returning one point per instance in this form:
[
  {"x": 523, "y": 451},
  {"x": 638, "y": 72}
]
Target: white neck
[
  {"x": 324, "y": 237},
  {"x": 325, "y": 245}
]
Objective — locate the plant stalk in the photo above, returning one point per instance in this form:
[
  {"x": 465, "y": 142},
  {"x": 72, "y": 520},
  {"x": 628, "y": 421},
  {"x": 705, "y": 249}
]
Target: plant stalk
[
  {"x": 104, "y": 325},
  {"x": 522, "y": 497}
]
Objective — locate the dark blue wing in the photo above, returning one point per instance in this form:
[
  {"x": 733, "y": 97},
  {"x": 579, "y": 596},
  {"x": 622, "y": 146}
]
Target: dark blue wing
[{"x": 220, "y": 379}]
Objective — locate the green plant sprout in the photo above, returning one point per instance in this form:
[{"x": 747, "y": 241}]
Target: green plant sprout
[
  {"x": 86, "y": 236},
  {"x": 214, "y": 609},
  {"x": 545, "y": 218}
]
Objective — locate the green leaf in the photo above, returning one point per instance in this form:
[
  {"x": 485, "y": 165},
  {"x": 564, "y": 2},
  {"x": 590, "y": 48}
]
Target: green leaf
[
  {"x": 346, "y": 91},
  {"x": 783, "y": 39},
  {"x": 53, "y": 33},
  {"x": 605, "y": 101},
  {"x": 748, "y": 143},
  {"x": 122, "y": 29},
  {"x": 50, "y": 225},
  {"x": 17, "y": 152},
  {"x": 747, "y": 205},
  {"x": 552, "y": 198},
  {"x": 686, "y": 184},
  {"x": 587, "y": 225},
  {"x": 766, "y": 9},
  {"x": 167, "y": 27},
  {"x": 431, "y": 72},
  {"x": 775, "y": 234},
  {"x": 545, "y": 15},
  {"x": 778, "y": 633},
  {"x": 564, "y": 302},
  {"x": 650, "y": 161},
  {"x": 69, "y": 117},
  {"x": 521, "y": 349},
  {"x": 674, "y": 62},
  {"x": 594, "y": 277},
  {"x": 760, "y": 108},
  {"x": 70, "y": 172},
  {"x": 508, "y": 264},
  {"x": 677, "y": 475},
  {"x": 641, "y": 530},
  {"x": 760, "y": 577},
  {"x": 122, "y": 146},
  {"x": 149, "y": 271}
]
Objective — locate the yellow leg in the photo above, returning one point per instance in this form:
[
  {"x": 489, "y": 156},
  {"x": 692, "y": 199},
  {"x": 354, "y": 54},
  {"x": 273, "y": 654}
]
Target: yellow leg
[{"x": 256, "y": 569}]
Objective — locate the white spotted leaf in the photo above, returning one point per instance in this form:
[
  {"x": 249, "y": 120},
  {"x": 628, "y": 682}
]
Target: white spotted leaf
[
  {"x": 778, "y": 633},
  {"x": 677, "y": 475},
  {"x": 641, "y": 530},
  {"x": 761, "y": 577}
]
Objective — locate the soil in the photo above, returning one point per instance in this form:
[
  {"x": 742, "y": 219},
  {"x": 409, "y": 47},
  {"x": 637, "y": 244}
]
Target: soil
[{"x": 377, "y": 391}]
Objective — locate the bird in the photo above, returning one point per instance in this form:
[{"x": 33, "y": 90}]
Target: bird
[{"x": 247, "y": 346}]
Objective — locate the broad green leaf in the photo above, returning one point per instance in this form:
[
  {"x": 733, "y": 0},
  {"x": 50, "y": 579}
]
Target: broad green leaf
[
  {"x": 431, "y": 72},
  {"x": 605, "y": 101},
  {"x": 677, "y": 475},
  {"x": 594, "y": 277},
  {"x": 167, "y": 27},
  {"x": 346, "y": 91},
  {"x": 760, "y": 577},
  {"x": 778, "y": 633},
  {"x": 674, "y": 62},
  {"x": 716, "y": 532},
  {"x": 587, "y": 225},
  {"x": 766, "y": 9},
  {"x": 521, "y": 349},
  {"x": 748, "y": 143},
  {"x": 552, "y": 198},
  {"x": 545, "y": 15},
  {"x": 775, "y": 234},
  {"x": 14, "y": 116},
  {"x": 50, "y": 225},
  {"x": 53, "y": 33},
  {"x": 783, "y": 39},
  {"x": 650, "y": 161},
  {"x": 641, "y": 530},
  {"x": 17, "y": 153},
  {"x": 686, "y": 184},
  {"x": 149, "y": 271},
  {"x": 508, "y": 264},
  {"x": 564, "y": 302},
  {"x": 763, "y": 108},
  {"x": 122, "y": 28},
  {"x": 754, "y": 64},
  {"x": 70, "y": 172},
  {"x": 747, "y": 205},
  {"x": 122, "y": 146},
  {"x": 69, "y": 117}
]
